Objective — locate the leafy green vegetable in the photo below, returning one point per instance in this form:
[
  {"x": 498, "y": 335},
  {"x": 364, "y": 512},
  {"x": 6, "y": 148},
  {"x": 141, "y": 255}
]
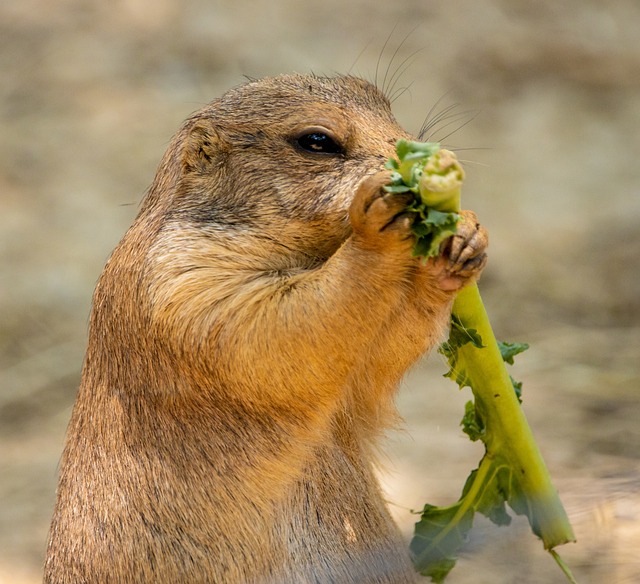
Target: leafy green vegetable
[
  {"x": 512, "y": 471},
  {"x": 435, "y": 179}
]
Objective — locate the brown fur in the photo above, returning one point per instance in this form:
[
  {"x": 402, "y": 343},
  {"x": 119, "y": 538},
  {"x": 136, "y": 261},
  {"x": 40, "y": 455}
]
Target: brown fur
[{"x": 246, "y": 340}]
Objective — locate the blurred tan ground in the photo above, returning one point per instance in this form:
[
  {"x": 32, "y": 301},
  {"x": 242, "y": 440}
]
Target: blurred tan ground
[{"x": 90, "y": 95}]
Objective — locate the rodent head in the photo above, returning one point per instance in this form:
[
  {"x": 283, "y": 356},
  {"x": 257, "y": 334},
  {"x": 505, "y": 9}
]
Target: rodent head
[
  {"x": 281, "y": 157},
  {"x": 260, "y": 181}
]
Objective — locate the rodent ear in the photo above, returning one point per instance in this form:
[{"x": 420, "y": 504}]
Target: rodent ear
[{"x": 202, "y": 146}]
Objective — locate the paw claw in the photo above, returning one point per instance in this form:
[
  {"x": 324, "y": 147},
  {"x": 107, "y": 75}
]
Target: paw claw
[{"x": 464, "y": 253}]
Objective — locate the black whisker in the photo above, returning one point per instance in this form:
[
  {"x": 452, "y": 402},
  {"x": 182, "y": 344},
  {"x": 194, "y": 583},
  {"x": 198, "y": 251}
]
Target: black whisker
[
  {"x": 451, "y": 119},
  {"x": 424, "y": 127},
  {"x": 468, "y": 121},
  {"x": 443, "y": 115},
  {"x": 472, "y": 162},
  {"x": 399, "y": 92},
  {"x": 387, "y": 88},
  {"x": 400, "y": 71},
  {"x": 359, "y": 55},
  {"x": 386, "y": 42}
]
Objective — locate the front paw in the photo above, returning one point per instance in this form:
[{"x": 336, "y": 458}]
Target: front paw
[
  {"x": 379, "y": 219},
  {"x": 463, "y": 255}
]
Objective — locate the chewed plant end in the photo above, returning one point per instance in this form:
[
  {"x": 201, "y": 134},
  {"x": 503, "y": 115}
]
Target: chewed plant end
[{"x": 441, "y": 181}]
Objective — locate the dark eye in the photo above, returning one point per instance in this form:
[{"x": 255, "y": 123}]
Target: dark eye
[{"x": 318, "y": 142}]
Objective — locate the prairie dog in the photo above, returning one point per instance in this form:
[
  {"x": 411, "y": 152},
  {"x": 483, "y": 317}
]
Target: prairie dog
[{"x": 246, "y": 341}]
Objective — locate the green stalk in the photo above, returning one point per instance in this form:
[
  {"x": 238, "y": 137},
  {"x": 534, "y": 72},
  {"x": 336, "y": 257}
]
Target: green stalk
[
  {"x": 512, "y": 470},
  {"x": 507, "y": 432}
]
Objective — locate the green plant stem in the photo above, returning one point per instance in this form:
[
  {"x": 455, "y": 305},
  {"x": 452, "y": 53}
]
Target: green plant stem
[
  {"x": 565, "y": 569},
  {"x": 507, "y": 429},
  {"x": 512, "y": 470}
]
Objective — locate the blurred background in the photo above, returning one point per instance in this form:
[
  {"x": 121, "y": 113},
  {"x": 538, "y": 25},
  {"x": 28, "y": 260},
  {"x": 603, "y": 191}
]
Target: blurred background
[{"x": 542, "y": 99}]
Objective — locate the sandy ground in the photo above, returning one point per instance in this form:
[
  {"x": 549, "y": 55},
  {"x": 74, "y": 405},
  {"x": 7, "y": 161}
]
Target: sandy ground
[{"x": 546, "y": 102}]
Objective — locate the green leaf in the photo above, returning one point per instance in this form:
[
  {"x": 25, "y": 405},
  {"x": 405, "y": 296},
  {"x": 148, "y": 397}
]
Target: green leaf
[
  {"x": 423, "y": 248},
  {"x": 439, "y": 570},
  {"x": 438, "y": 536},
  {"x": 442, "y": 531},
  {"x": 472, "y": 424},
  {"x": 443, "y": 221},
  {"x": 492, "y": 505},
  {"x": 432, "y": 228},
  {"x": 517, "y": 387},
  {"x": 510, "y": 350},
  {"x": 417, "y": 150},
  {"x": 392, "y": 164},
  {"x": 459, "y": 336}
]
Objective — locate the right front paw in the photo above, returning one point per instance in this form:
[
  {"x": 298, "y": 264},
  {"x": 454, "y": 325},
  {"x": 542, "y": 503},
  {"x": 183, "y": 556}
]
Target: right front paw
[{"x": 379, "y": 219}]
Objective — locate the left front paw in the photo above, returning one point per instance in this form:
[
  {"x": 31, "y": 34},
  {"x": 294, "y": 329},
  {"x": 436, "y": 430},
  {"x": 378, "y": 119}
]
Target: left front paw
[{"x": 463, "y": 255}]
